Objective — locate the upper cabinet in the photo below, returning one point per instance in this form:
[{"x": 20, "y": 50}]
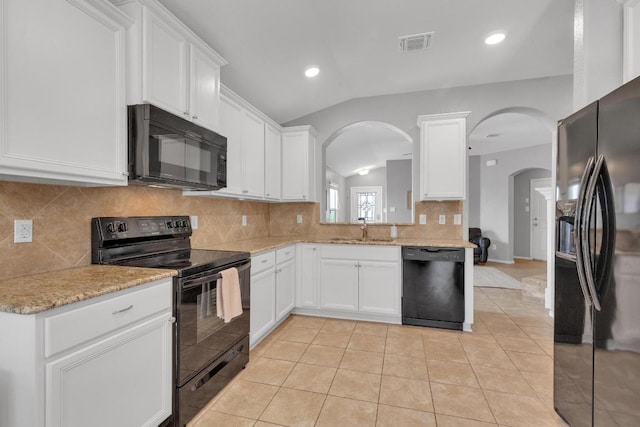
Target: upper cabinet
[
  {"x": 272, "y": 162},
  {"x": 62, "y": 92},
  {"x": 443, "y": 156},
  {"x": 298, "y": 163},
  {"x": 171, "y": 67}
]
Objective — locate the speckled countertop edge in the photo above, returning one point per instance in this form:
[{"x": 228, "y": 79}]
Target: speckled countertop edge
[
  {"x": 35, "y": 293},
  {"x": 255, "y": 246}
]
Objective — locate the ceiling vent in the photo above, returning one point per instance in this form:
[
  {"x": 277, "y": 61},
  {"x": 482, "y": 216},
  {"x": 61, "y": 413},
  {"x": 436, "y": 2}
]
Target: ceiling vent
[{"x": 415, "y": 42}]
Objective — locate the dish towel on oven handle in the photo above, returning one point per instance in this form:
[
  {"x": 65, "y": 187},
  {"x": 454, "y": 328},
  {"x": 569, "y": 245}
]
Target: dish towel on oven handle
[{"x": 228, "y": 298}]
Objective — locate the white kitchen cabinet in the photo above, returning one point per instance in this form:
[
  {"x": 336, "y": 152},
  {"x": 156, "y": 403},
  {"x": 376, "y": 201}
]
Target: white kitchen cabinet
[
  {"x": 170, "y": 66},
  {"x": 285, "y": 281},
  {"x": 298, "y": 163},
  {"x": 263, "y": 296},
  {"x": 62, "y": 87},
  {"x": 307, "y": 276},
  {"x": 339, "y": 284},
  {"x": 443, "y": 156},
  {"x": 272, "y": 163},
  {"x": 245, "y": 150},
  {"x": 378, "y": 290},
  {"x": 101, "y": 362}
]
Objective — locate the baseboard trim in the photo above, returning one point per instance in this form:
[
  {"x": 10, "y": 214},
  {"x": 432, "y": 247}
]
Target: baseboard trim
[
  {"x": 337, "y": 314},
  {"x": 528, "y": 258},
  {"x": 501, "y": 261}
]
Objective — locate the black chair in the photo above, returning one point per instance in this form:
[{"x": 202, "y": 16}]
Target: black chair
[{"x": 481, "y": 253}]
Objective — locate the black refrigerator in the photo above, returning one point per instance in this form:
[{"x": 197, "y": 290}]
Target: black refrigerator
[{"x": 597, "y": 263}]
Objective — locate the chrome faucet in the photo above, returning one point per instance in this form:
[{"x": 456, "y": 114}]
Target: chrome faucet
[{"x": 363, "y": 227}]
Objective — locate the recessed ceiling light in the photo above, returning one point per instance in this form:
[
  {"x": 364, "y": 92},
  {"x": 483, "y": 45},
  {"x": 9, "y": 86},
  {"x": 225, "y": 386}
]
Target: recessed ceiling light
[
  {"x": 312, "y": 71},
  {"x": 363, "y": 172},
  {"x": 495, "y": 37}
]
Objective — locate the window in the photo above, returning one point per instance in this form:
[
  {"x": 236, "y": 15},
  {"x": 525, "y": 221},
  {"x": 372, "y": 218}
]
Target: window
[
  {"x": 333, "y": 203},
  {"x": 366, "y": 206}
]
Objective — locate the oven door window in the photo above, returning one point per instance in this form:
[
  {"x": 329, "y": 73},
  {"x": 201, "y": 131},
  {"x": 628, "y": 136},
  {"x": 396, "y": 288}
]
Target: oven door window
[{"x": 182, "y": 157}]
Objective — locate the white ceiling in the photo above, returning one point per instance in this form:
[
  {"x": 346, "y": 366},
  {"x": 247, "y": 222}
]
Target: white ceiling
[
  {"x": 355, "y": 43},
  {"x": 508, "y": 131}
]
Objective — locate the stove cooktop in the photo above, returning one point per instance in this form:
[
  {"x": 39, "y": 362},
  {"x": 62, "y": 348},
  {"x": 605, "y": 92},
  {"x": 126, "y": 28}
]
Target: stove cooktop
[{"x": 189, "y": 262}]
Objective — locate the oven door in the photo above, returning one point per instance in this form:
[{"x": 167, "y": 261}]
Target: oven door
[{"x": 202, "y": 336}]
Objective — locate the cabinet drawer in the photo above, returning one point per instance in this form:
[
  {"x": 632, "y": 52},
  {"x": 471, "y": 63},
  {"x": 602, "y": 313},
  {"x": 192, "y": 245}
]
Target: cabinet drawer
[
  {"x": 285, "y": 254},
  {"x": 73, "y": 327},
  {"x": 263, "y": 262},
  {"x": 361, "y": 252}
]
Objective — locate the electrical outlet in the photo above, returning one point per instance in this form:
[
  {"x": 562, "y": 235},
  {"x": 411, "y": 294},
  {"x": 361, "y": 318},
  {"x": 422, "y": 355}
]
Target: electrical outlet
[
  {"x": 22, "y": 231},
  {"x": 423, "y": 219},
  {"x": 494, "y": 247},
  {"x": 457, "y": 219},
  {"x": 299, "y": 219},
  {"x": 244, "y": 220},
  {"x": 194, "y": 222},
  {"x": 442, "y": 219}
]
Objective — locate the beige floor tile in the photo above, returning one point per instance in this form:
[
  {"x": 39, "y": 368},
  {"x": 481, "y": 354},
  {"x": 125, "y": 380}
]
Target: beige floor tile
[
  {"x": 264, "y": 424},
  {"x": 371, "y": 328},
  {"x": 268, "y": 371},
  {"x": 323, "y": 355},
  {"x": 367, "y": 343},
  {"x": 451, "y": 352},
  {"x": 311, "y": 378},
  {"x": 542, "y": 384},
  {"x": 356, "y": 385},
  {"x": 294, "y": 408},
  {"x": 339, "y": 325},
  {"x": 404, "y": 331},
  {"x": 245, "y": 399},
  {"x": 505, "y": 380},
  {"x": 492, "y": 356},
  {"x": 520, "y": 411},
  {"x": 460, "y": 401},
  {"x": 452, "y": 373},
  {"x": 405, "y": 346},
  {"x": 523, "y": 345},
  {"x": 536, "y": 332},
  {"x": 391, "y": 416},
  {"x": 508, "y": 329},
  {"x": 365, "y": 361},
  {"x": 261, "y": 347},
  {"x": 406, "y": 393},
  {"x": 479, "y": 328},
  {"x": 308, "y": 322},
  {"x": 303, "y": 335},
  {"x": 449, "y": 421},
  {"x": 405, "y": 367},
  {"x": 540, "y": 363},
  {"x": 546, "y": 346},
  {"x": 285, "y": 350},
  {"x": 474, "y": 339},
  {"x": 213, "y": 418},
  {"x": 332, "y": 339},
  {"x": 338, "y": 412}
]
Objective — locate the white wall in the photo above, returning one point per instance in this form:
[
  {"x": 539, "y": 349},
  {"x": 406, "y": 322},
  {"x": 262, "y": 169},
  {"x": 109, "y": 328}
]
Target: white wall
[
  {"x": 398, "y": 184},
  {"x": 496, "y": 183},
  {"x": 474, "y": 187}
]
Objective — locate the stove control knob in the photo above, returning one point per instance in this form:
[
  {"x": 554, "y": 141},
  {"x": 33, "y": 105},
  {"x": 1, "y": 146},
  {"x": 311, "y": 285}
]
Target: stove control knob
[
  {"x": 122, "y": 227},
  {"x": 111, "y": 228}
]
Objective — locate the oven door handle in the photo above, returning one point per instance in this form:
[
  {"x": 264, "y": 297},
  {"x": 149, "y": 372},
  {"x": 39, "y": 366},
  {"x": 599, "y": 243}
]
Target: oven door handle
[{"x": 190, "y": 284}]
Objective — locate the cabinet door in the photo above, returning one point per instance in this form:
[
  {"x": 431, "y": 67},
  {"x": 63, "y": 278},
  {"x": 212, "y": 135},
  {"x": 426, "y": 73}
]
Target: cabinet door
[
  {"x": 443, "y": 159},
  {"x": 295, "y": 166},
  {"x": 307, "y": 274},
  {"x": 253, "y": 154},
  {"x": 263, "y": 304},
  {"x": 379, "y": 287},
  {"x": 272, "y": 162},
  {"x": 165, "y": 78},
  {"x": 339, "y": 284},
  {"x": 131, "y": 370},
  {"x": 231, "y": 127},
  {"x": 62, "y": 88},
  {"x": 285, "y": 288},
  {"x": 205, "y": 90}
]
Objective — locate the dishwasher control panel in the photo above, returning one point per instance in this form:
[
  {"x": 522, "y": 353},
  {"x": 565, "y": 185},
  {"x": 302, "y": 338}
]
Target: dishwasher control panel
[{"x": 431, "y": 253}]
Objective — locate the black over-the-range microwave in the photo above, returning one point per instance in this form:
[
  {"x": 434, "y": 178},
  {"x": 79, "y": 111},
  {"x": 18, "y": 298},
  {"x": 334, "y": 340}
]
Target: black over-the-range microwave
[{"x": 168, "y": 151}]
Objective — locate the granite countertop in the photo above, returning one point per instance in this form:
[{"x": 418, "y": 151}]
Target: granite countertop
[
  {"x": 35, "y": 293},
  {"x": 255, "y": 246}
]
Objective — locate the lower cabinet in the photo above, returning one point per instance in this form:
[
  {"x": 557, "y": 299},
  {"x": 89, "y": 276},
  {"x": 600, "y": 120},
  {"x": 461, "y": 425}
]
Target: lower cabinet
[
  {"x": 339, "y": 284},
  {"x": 379, "y": 287},
  {"x": 307, "y": 275},
  {"x": 285, "y": 287}
]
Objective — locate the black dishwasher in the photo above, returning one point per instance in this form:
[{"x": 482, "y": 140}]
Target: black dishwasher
[{"x": 433, "y": 287}]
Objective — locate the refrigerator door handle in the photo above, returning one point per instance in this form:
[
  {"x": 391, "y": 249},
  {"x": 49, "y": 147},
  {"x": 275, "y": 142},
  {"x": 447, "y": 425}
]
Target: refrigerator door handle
[
  {"x": 579, "y": 229},
  {"x": 607, "y": 251},
  {"x": 585, "y": 243}
]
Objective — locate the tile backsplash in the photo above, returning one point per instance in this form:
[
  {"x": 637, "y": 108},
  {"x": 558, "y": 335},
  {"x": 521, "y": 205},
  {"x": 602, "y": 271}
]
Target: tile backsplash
[{"x": 62, "y": 215}]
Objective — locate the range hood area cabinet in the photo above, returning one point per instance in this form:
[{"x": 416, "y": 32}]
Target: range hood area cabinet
[
  {"x": 58, "y": 125},
  {"x": 443, "y": 156},
  {"x": 169, "y": 66}
]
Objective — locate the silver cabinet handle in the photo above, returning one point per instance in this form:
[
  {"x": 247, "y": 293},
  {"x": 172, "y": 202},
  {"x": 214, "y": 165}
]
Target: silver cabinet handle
[
  {"x": 172, "y": 320},
  {"x": 195, "y": 117},
  {"x": 122, "y": 310},
  {"x": 245, "y": 191},
  {"x": 264, "y": 260},
  {"x": 186, "y": 113}
]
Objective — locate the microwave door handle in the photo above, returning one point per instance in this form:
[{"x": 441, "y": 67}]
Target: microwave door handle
[
  {"x": 587, "y": 253},
  {"x": 579, "y": 231}
]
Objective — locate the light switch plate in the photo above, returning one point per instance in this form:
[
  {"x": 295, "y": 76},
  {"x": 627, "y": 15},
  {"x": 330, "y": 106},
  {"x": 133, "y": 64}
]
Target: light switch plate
[
  {"x": 442, "y": 219},
  {"x": 457, "y": 219},
  {"x": 22, "y": 231},
  {"x": 299, "y": 219},
  {"x": 244, "y": 220},
  {"x": 194, "y": 222},
  {"x": 423, "y": 219},
  {"x": 526, "y": 208}
]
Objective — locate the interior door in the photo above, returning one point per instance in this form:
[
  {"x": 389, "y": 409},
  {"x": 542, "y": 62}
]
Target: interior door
[
  {"x": 366, "y": 202},
  {"x": 538, "y": 217}
]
